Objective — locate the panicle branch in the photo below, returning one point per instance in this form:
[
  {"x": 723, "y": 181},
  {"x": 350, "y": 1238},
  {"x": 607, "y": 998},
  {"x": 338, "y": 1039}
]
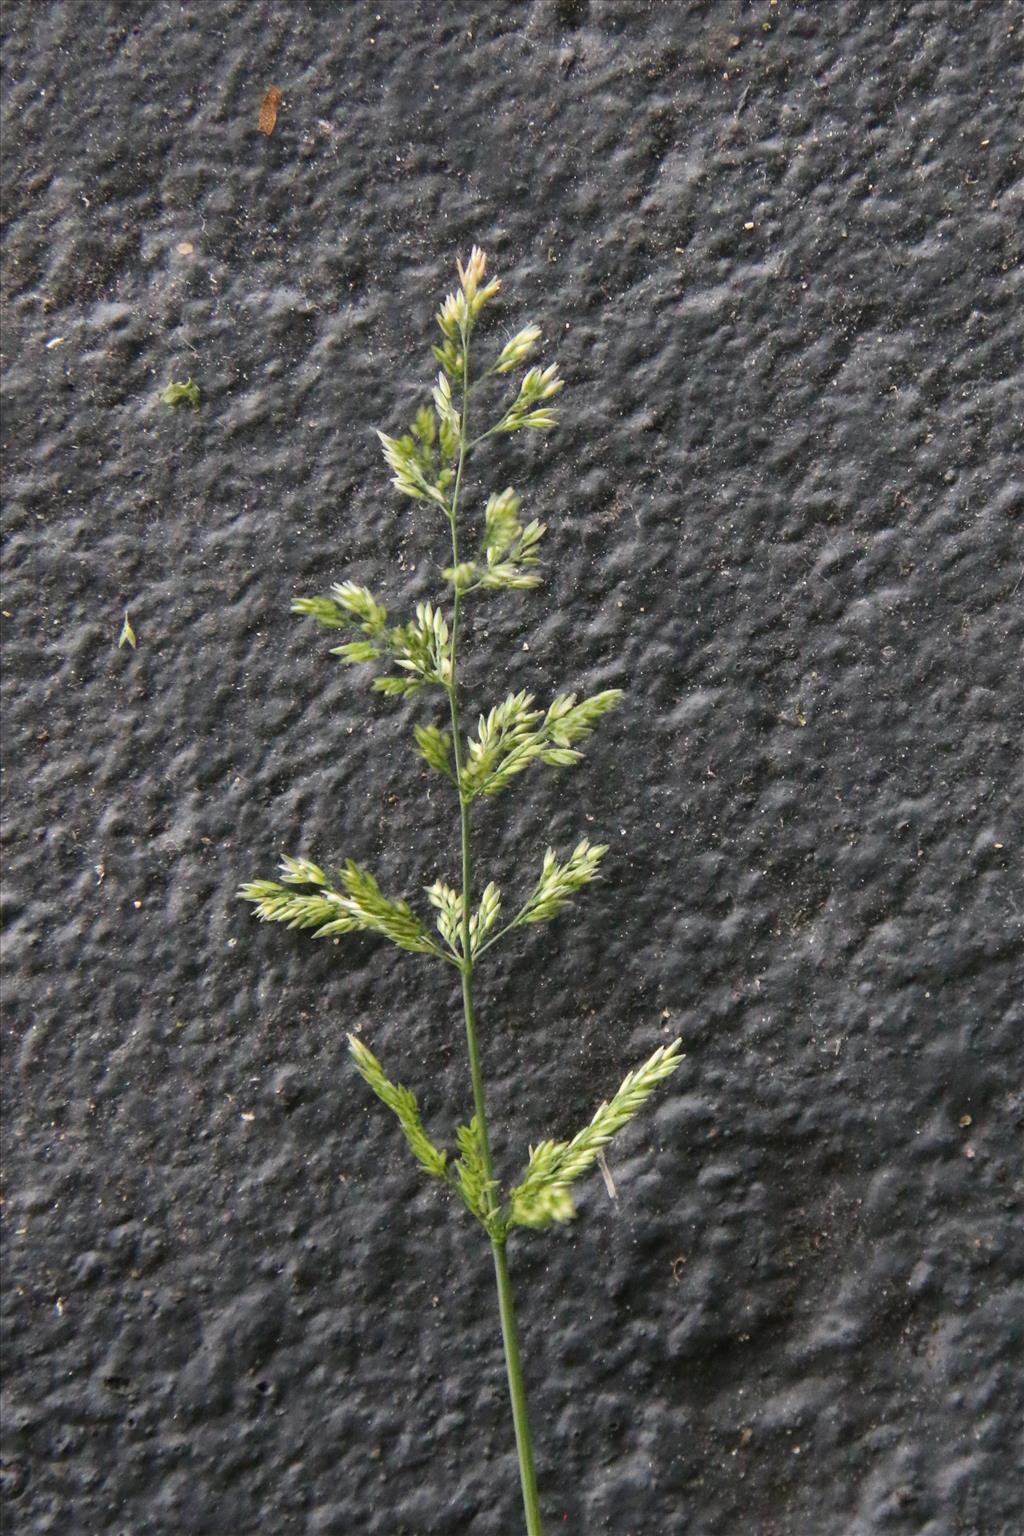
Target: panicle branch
[
  {"x": 356, "y": 906},
  {"x": 507, "y": 550},
  {"x": 403, "y": 1104},
  {"x": 527, "y": 409},
  {"x": 517, "y": 350},
  {"x": 477, "y": 1188},
  {"x": 558, "y": 883},
  {"x": 514, "y": 735},
  {"x": 451, "y": 916},
  {"x": 543, "y": 1195}
]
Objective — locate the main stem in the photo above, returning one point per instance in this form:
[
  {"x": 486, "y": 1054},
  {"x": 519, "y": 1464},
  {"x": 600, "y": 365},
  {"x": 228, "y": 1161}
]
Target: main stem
[{"x": 506, "y": 1305}]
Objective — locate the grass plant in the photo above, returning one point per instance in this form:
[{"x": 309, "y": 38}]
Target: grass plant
[{"x": 418, "y": 658}]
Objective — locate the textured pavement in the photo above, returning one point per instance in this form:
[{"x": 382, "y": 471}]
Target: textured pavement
[{"x": 777, "y": 252}]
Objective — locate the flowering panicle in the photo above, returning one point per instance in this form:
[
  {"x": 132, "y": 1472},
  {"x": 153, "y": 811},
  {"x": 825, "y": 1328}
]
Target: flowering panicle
[{"x": 419, "y": 657}]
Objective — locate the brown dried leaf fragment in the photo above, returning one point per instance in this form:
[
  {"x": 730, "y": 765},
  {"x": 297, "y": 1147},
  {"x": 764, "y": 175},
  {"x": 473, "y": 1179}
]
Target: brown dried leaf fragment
[{"x": 268, "y": 110}]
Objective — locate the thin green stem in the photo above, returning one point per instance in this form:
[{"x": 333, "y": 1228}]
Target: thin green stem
[
  {"x": 506, "y": 1307},
  {"x": 517, "y": 1392}
]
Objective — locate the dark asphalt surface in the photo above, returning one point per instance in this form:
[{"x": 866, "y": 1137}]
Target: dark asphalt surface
[{"x": 777, "y": 251}]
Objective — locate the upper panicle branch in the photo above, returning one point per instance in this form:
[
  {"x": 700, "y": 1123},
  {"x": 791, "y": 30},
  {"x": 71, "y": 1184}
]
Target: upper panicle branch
[
  {"x": 471, "y": 277},
  {"x": 416, "y": 470},
  {"x": 451, "y": 924},
  {"x": 448, "y": 418},
  {"x": 485, "y": 917},
  {"x": 476, "y": 1185},
  {"x": 435, "y": 747},
  {"x": 559, "y": 882},
  {"x": 420, "y": 649},
  {"x": 347, "y": 605},
  {"x": 517, "y": 350},
  {"x": 528, "y": 408},
  {"x": 514, "y": 735},
  {"x": 507, "y": 550},
  {"x": 450, "y": 908}
]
